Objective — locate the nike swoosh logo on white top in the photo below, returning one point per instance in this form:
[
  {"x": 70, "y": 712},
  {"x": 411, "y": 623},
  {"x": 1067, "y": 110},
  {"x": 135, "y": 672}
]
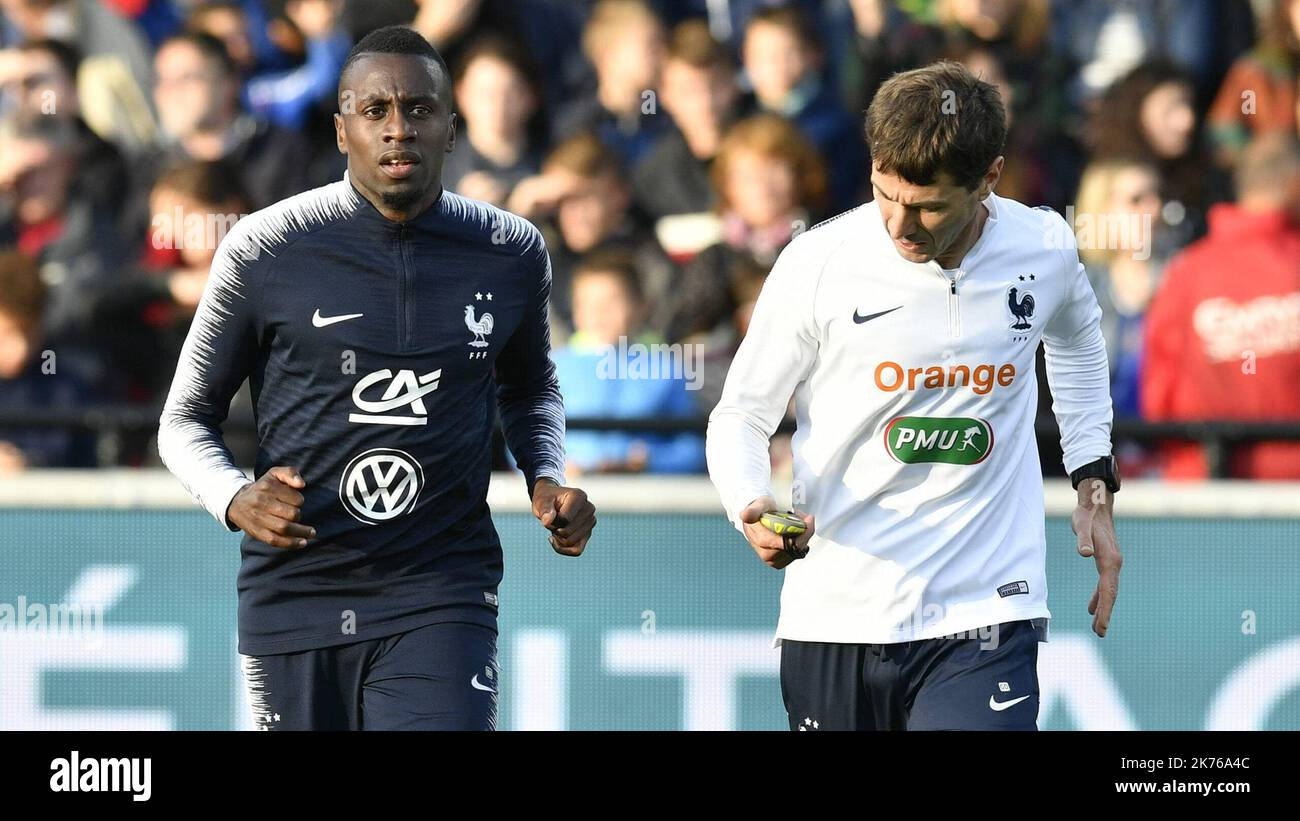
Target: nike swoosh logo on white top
[
  {"x": 321, "y": 321},
  {"x": 999, "y": 706},
  {"x": 477, "y": 686}
]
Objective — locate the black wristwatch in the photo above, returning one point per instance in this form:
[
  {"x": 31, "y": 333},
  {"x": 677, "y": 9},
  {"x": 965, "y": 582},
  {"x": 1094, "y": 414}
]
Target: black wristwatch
[{"x": 1105, "y": 469}]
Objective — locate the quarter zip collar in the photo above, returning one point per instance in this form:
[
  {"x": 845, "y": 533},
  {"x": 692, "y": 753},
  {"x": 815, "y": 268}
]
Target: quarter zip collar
[
  {"x": 959, "y": 273},
  {"x": 369, "y": 215}
]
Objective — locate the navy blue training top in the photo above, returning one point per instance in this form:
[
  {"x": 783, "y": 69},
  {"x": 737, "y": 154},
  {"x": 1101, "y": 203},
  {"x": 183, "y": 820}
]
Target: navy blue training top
[{"x": 376, "y": 353}]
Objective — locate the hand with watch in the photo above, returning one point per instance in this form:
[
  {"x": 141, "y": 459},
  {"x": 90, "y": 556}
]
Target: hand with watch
[
  {"x": 1093, "y": 523},
  {"x": 1105, "y": 469}
]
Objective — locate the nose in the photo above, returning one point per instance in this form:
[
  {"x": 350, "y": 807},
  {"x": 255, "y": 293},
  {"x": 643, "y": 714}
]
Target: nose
[
  {"x": 901, "y": 222},
  {"x": 398, "y": 128}
]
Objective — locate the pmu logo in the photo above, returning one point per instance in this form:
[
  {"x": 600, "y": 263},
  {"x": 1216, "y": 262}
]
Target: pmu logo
[
  {"x": 381, "y": 484},
  {"x": 406, "y": 389},
  {"x": 959, "y": 440}
]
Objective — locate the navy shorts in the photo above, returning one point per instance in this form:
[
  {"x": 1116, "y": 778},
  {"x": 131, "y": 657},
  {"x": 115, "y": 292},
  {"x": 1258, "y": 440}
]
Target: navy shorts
[
  {"x": 438, "y": 677},
  {"x": 980, "y": 680}
]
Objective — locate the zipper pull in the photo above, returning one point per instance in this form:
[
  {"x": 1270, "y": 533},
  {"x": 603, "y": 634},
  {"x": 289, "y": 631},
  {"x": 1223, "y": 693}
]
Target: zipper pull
[{"x": 953, "y": 288}]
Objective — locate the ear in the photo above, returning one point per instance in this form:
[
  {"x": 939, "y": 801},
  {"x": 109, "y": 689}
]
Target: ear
[
  {"x": 991, "y": 177},
  {"x": 340, "y": 135},
  {"x": 451, "y": 132}
]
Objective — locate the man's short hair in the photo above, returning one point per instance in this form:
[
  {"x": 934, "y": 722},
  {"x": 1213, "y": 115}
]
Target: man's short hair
[
  {"x": 792, "y": 19},
  {"x": 584, "y": 155},
  {"x": 393, "y": 40},
  {"x": 209, "y": 183},
  {"x": 935, "y": 119},
  {"x": 609, "y": 17},
  {"x": 507, "y": 50},
  {"x": 209, "y": 46},
  {"x": 67, "y": 56},
  {"x": 612, "y": 261},
  {"x": 693, "y": 44},
  {"x": 1266, "y": 166}
]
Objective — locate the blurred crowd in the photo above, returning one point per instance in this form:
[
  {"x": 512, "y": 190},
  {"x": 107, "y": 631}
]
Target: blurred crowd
[{"x": 669, "y": 150}]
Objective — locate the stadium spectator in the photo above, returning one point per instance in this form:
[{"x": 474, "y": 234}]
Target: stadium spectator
[
  {"x": 770, "y": 182},
  {"x": 41, "y": 76},
  {"x": 783, "y": 61},
  {"x": 257, "y": 35},
  {"x": 1026, "y": 176},
  {"x": 608, "y": 370},
  {"x": 1117, "y": 215},
  {"x": 1089, "y": 84},
  {"x": 43, "y": 213},
  {"x": 624, "y": 40},
  {"x": 699, "y": 92},
  {"x": 142, "y": 319},
  {"x": 882, "y": 39},
  {"x": 1150, "y": 115},
  {"x": 115, "y": 72},
  {"x": 1008, "y": 41},
  {"x": 581, "y": 201},
  {"x": 728, "y": 20},
  {"x": 1014, "y": 31},
  {"x": 1224, "y": 329},
  {"x": 286, "y": 97},
  {"x": 32, "y": 379},
  {"x": 228, "y": 21},
  {"x": 746, "y": 281},
  {"x": 550, "y": 29},
  {"x": 1259, "y": 95},
  {"x": 499, "y": 136},
  {"x": 197, "y": 95}
]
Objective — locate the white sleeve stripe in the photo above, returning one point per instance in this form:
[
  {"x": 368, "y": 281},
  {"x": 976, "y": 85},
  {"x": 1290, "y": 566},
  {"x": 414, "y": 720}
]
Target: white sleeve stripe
[{"x": 189, "y": 441}]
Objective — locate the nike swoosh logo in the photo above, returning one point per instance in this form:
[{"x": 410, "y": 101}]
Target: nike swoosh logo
[
  {"x": 477, "y": 686},
  {"x": 860, "y": 319},
  {"x": 998, "y": 706},
  {"x": 321, "y": 321}
]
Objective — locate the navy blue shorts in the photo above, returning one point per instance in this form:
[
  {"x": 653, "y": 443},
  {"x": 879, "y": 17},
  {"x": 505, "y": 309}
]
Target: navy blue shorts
[
  {"x": 439, "y": 677},
  {"x": 980, "y": 680}
]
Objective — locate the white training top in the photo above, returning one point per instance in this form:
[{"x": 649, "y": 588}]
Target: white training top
[{"x": 915, "y": 399}]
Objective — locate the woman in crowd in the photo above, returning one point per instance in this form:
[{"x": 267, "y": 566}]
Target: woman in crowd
[
  {"x": 1150, "y": 115},
  {"x": 1116, "y": 218},
  {"x": 771, "y": 184}
]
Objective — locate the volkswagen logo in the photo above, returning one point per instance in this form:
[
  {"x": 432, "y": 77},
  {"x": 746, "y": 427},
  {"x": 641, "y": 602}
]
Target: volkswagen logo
[{"x": 381, "y": 484}]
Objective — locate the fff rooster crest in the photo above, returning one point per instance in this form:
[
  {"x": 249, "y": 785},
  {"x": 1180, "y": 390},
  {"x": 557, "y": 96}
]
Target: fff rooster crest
[
  {"x": 480, "y": 327},
  {"x": 1020, "y": 304}
]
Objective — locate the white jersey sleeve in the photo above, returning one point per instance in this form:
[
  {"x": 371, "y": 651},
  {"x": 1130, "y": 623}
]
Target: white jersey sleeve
[
  {"x": 777, "y": 353},
  {"x": 219, "y": 353},
  {"x": 1077, "y": 370}
]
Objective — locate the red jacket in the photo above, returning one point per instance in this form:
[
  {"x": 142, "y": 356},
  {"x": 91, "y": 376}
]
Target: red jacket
[{"x": 1222, "y": 340}]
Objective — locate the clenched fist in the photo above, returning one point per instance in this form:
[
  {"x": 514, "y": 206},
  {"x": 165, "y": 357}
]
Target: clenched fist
[{"x": 269, "y": 509}]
